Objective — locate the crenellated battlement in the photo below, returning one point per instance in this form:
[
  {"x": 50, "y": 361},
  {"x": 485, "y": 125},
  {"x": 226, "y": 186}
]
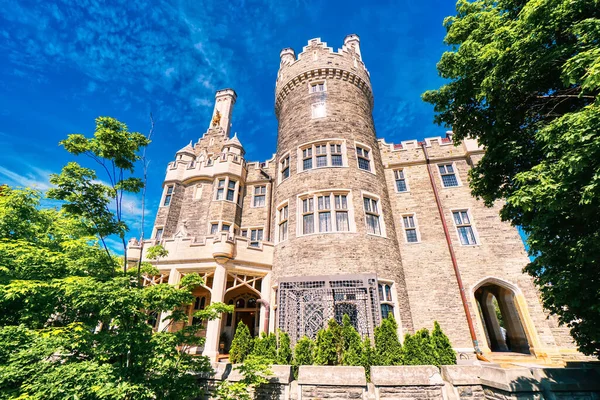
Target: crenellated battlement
[{"x": 319, "y": 61}]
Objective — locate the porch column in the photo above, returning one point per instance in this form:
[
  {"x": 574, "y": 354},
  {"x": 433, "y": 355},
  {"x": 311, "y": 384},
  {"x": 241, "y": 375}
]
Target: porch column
[
  {"x": 174, "y": 278},
  {"x": 213, "y": 328},
  {"x": 265, "y": 308}
]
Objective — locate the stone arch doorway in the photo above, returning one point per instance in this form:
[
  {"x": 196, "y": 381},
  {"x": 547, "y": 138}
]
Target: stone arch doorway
[
  {"x": 243, "y": 292},
  {"x": 500, "y": 316}
]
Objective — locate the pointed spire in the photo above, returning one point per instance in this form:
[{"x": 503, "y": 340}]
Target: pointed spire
[
  {"x": 187, "y": 149},
  {"x": 234, "y": 141}
]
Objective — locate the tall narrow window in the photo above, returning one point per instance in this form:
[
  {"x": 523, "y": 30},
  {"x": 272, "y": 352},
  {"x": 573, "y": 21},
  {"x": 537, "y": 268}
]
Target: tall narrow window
[
  {"x": 220, "y": 189},
  {"x": 231, "y": 190},
  {"x": 372, "y": 215},
  {"x": 336, "y": 155},
  {"x": 308, "y": 216},
  {"x": 283, "y": 223},
  {"x": 400, "y": 180},
  {"x": 259, "y": 196},
  {"x": 364, "y": 158},
  {"x": 159, "y": 233},
  {"x": 285, "y": 168},
  {"x": 307, "y": 161},
  {"x": 464, "y": 227},
  {"x": 168, "y": 196},
  {"x": 324, "y": 205},
  {"x": 385, "y": 299},
  {"x": 256, "y": 236},
  {"x": 448, "y": 175},
  {"x": 410, "y": 228},
  {"x": 341, "y": 213},
  {"x": 214, "y": 228},
  {"x": 321, "y": 151}
]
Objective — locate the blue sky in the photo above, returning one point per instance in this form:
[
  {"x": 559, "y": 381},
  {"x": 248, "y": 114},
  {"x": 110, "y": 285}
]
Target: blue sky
[{"x": 64, "y": 63}]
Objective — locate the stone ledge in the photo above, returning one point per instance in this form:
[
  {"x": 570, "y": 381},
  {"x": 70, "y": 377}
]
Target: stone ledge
[
  {"x": 410, "y": 375},
  {"x": 331, "y": 376},
  {"x": 281, "y": 374},
  {"x": 510, "y": 380}
]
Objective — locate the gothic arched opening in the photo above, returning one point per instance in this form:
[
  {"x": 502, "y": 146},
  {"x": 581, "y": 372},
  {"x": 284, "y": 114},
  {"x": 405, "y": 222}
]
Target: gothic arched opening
[{"x": 501, "y": 321}]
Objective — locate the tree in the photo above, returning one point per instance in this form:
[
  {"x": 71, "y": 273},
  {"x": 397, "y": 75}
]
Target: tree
[
  {"x": 284, "y": 350},
  {"x": 444, "y": 353},
  {"x": 329, "y": 344},
  {"x": 241, "y": 345},
  {"x": 303, "y": 354},
  {"x": 388, "y": 350},
  {"x": 254, "y": 370},
  {"x": 367, "y": 357},
  {"x": 352, "y": 343},
  {"x": 523, "y": 79},
  {"x": 115, "y": 149},
  {"x": 72, "y": 328},
  {"x": 266, "y": 346}
]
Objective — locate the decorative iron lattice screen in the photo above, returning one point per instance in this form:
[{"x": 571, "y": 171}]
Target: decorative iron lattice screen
[{"x": 305, "y": 304}]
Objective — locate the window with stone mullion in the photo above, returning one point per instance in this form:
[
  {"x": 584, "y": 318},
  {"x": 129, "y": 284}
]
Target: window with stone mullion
[
  {"x": 324, "y": 206},
  {"x": 372, "y": 216},
  {"x": 283, "y": 223},
  {"x": 308, "y": 216}
]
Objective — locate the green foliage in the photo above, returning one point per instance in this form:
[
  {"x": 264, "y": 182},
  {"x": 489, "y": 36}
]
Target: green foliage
[
  {"x": 523, "y": 78},
  {"x": 266, "y": 346},
  {"x": 388, "y": 350},
  {"x": 254, "y": 370},
  {"x": 303, "y": 354},
  {"x": 284, "y": 350},
  {"x": 329, "y": 345},
  {"x": 367, "y": 357},
  {"x": 412, "y": 353},
  {"x": 241, "y": 345},
  {"x": 156, "y": 252},
  {"x": 71, "y": 328},
  {"x": 352, "y": 343},
  {"x": 443, "y": 351}
]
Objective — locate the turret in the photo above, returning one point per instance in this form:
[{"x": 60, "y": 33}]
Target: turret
[
  {"x": 352, "y": 43},
  {"x": 224, "y": 102},
  {"x": 287, "y": 56}
]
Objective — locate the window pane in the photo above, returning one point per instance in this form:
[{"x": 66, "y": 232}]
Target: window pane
[
  {"x": 380, "y": 290},
  {"x": 386, "y": 310},
  {"x": 449, "y": 180},
  {"x": 259, "y": 201},
  {"x": 225, "y": 228},
  {"x": 321, "y": 161},
  {"x": 230, "y": 194},
  {"x": 388, "y": 293},
  {"x": 159, "y": 233},
  {"x": 283, "y": 231},
  {"x": 219, "y": 194},
  {"x": 364, "y": 164},
  {"x": 342, "y": 221},
  {"x": 373, "y": 224},
  {"x": 466, "y": 235},
  {"x": 221, "y": 183},
  {"x": 442, "y": 169},
  {"x": 411, "y": 235},
  {"x": 465, "y": 217},
  {"x": 336, "y": 160},
  {"x": 308, "y": 224},
  {"x": 167, "y": 200},
  {"x": 457, "y": 219},
  {"x": 367, "y": 204},
  {"x": 449, "y": 169},
  {"x": 214, "y": 228},
  {"x": 401, "y": 185},
  {"x": 286, "y": 173},
  {"x": 307, "y": 164},
  {"x": 231, "y": 185},
  {"x": 325, "y": 222}
]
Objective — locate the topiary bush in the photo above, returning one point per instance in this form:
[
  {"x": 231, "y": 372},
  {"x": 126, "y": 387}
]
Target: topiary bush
[
  {"x": 284, "y": 350},
  {"x": 352, "y": 343},
  {"x": 444, "y": 353},
  {"x": 241, "y": 345},
  {"x": 329, "y": 345},
  {"x": 388, "y": 350}
]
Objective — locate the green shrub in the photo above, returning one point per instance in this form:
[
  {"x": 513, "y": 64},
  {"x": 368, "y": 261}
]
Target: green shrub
[
  {"x": 424, "y": 342},
  {"x": 352, "y": 344},
  {"x": 329, "y": 345},
  {"x": 284, "y": 350},
  {"x": 266, "y": 346},
  {"x": 444, "y": 353},
  {"x": 366, "y": 358},
  {"x": 388, "y": 350},
  {"x": 241, "y": 345},
  {"x": 303, "y": 354},
  {"x": 417, "y": 349}
]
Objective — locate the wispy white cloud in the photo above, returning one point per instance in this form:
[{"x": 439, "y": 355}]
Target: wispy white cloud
[{"x": 35, "y": 178}]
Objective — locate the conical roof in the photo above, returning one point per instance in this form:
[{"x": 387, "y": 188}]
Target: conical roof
[
  {"x": 234, "y": 141},
  {"x": 187, "y": 149}
]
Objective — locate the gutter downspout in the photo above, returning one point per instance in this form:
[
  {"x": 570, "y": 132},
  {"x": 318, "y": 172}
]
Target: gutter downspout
[
  {"x": 461, "y": 287},
  {"x": 268, "y": 233}
]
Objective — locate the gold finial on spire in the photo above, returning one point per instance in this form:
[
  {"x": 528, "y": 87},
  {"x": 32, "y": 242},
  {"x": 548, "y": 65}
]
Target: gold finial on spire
[{"x": 216, "y": 119}]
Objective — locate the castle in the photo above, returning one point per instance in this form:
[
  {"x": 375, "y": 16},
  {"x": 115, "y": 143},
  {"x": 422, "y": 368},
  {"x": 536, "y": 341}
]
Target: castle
[{"x": 339, "y": 222}]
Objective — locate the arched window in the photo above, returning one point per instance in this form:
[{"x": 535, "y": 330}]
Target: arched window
[
  {"x": 240, "y": 303},
  {"x": 252, "y": 303},
  {"x": 385, "y": 299}
]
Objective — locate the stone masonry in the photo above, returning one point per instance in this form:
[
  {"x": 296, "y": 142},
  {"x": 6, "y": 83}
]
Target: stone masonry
[{"x": 335, "y": 201}]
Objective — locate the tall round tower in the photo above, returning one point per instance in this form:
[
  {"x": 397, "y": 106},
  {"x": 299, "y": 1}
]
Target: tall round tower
[{"x": 332, "y": 212}]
